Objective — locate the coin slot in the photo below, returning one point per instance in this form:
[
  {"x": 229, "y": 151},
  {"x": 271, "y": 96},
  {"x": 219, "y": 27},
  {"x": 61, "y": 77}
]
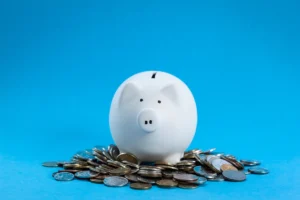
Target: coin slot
[{"x": 153, "y": 75}]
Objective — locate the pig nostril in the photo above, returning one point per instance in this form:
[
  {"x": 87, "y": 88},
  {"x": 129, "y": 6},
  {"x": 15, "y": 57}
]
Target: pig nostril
[
  {"x": 146, "y": 122},
  {"x": 150, "y": 121}
]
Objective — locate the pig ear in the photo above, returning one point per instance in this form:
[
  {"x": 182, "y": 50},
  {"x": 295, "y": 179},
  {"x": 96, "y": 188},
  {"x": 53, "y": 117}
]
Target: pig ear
[
  {"x": 129, "y": 92},
  {"x": 170, "y": 92}
]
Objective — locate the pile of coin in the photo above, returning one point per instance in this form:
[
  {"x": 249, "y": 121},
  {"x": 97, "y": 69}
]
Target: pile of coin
[{"x": 106, "y": 165}]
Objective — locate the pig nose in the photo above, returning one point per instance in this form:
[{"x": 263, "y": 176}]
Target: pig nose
[{"x": 147, "y": 120}]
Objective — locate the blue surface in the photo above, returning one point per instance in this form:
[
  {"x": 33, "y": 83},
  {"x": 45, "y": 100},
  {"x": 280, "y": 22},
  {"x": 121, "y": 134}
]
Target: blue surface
[{"x": 61, "y": 62}]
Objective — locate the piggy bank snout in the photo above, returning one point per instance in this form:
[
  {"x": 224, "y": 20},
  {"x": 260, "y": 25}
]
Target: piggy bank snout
[{"x": 148, "y": 120}]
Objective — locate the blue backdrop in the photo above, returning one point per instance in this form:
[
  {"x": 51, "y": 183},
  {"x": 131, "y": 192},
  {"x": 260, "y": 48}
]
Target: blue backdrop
[{"x": 61, "y": 62}]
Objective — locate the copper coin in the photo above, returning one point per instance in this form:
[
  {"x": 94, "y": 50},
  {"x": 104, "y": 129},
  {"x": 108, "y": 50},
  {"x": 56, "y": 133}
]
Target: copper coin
[
  {"x": 185, "y": 177},
  {"x": 188, "y": 185},
  {"x": 167, "y": 183},
  {"x": 132, "y": 177},
  {"x": 226, "y": 167},
  {"x": 140, "y": 186}
]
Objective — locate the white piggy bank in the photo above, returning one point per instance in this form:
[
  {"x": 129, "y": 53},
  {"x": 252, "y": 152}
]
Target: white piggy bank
[{"x": 153, "y": 115}]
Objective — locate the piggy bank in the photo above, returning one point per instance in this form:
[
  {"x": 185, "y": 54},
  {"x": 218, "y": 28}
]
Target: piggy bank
[{"x": 153, "y": 115}]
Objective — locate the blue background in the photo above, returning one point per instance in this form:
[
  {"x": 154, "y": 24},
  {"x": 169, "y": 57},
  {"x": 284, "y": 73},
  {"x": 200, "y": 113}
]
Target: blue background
[{"x": 62, "y": 61}]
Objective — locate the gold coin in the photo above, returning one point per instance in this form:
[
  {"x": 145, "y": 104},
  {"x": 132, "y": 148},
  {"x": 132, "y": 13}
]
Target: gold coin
[
  {"x": 128, "y": 157},
  {"x": 96, "y": 180},
  {"x": 226, "y": 167},
  {"x": 188, "y": 185},
  {"x": 167, "y": 183},
  {"x": 140, "y": 186}
]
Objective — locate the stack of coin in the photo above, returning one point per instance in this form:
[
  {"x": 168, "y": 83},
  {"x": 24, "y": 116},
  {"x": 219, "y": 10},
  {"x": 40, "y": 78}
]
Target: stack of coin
[{"x": 114, "y": 169}]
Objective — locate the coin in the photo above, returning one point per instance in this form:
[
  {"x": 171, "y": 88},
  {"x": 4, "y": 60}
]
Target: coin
[
  {"x": 250, "y": 162},
  {"x": 132, "y": 177},
  {"x": 247, "y": 172},
  {"x": 114, "y": 151},
  {"x": 233, "y": 161},
  {"x": 195, "y": 168},
  {"x": 167, "y": 167},
  {"x": 140, "y": 186},
  {"x": 200, "y": 181},
  {"x": 226, "y": 167},
  {"x": 64, "y": 176},
  {"x": 232, "y": 175},
  {"x": 146, "y": 180},
  {"x": 83, "y": 155},
  {"x": 189, "y": 155},
  {"x": 115, "y": 181},
  {"x": 95, "y": 180},
  {"x": 120, "y": 171},
  {"x": 198, "y": 170},
  {"x": 149, "y": 173},
  {"x": 217, "y": 178},
  {"x": 185, "y": 177},
  {"x": 85, "y": 174},
  {"x": 163, "y": 163},
  {"x": 130, "y": 164},
  {"x": 128, "y": 157},
  {"x": 150, "y": 168},
  {"x": 185, "y": 162},
  {"x": 188, "y": 185},
  {"x": 258, "y": 170},
  {"x": 217, "y": 163},
  {"x": 50, "y": 164},
  {"x": 133, "y": 171},
  {"x": 70, "y": 170},
  {"x": 167, "y": 174},
  {"x": 166, "y": 183},
  {"x": 116, "y": 163},
  {"x": 61, "y": 163},
  {"x": 89, "y": 151},
  {"x": 209, "y": 151},
  {"x": 99, "y": 148}
]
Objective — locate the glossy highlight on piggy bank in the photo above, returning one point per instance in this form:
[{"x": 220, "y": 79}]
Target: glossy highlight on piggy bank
[{"x": 153, "y": 115}]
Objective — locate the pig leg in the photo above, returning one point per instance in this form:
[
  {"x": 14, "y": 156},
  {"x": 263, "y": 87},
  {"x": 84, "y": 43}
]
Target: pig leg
[{"x": 173, "y": 158}]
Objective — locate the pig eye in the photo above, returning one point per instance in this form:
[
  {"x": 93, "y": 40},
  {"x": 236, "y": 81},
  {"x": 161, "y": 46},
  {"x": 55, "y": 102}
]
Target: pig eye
[
  {"x": 159, "y": 101},
  {"x": 141, "y": 100}
]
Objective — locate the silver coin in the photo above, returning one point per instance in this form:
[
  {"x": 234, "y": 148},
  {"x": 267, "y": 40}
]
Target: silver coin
[
  {"x": 50, "y": 164},
  {"x": 233, "y": 175},
  {"x": 198, "y": 170},
  {"x": 89, "y": 151},
  {"x": 83, "y": 155},
  {"x": 200, "y": 181},
  {"x": 217, "y": 163},
  {"x": 99, "y": 148},
  {"x": 258, "y": 170},
  {"x": 85, "y": 174},
  {"x": 185, "y": 177},
  {"x": 247, "y": 172},
  {"x": 64, "y": 176},
  {"x": 250, "y": 162},
  {"x": 209, "y": 151},
  {"x": 146, "y": 180},
  {"x": 115, "y": 181},
  {"x": 114, "y": 151},
  {"x": 217, "y": 178}
]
